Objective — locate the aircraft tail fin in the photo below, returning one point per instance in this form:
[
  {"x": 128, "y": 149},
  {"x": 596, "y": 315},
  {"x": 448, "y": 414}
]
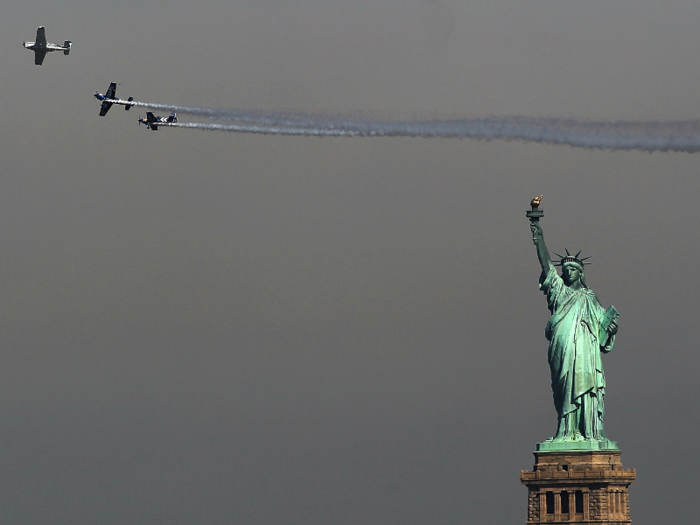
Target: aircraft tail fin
[
  {"x": 67, "y": 44},
  {"x": 127, "y": 107}
]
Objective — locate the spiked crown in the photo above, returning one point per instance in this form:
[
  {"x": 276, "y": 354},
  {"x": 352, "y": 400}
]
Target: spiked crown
[{"x": 571, "y": 258}]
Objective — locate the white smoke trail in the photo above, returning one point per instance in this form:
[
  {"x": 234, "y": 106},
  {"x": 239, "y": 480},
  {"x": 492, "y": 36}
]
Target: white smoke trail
[
  {"x": 261, "y": 130},
  {"x": 576, "y": 135},
  {"x": 682, "y": 136}
]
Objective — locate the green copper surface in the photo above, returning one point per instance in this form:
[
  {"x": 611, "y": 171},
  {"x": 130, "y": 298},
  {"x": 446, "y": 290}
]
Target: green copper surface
[
  {"x": 568, "y": 445},
  {"x": 579, "y": 331}
]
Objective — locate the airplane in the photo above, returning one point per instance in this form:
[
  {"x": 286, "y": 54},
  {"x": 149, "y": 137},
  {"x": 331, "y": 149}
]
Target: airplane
[
  {"x": 41, "y": 46},
  {"x": 152, "y": 121},
  {"x": 109, "y": 98}
]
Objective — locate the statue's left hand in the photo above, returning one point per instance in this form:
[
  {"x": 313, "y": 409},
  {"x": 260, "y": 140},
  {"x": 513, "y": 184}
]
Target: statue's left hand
[{"x": 612, "y": 329}]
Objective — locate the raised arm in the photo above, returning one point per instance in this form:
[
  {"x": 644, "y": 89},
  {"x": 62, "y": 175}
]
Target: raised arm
[{"x": 542, "y": 252}]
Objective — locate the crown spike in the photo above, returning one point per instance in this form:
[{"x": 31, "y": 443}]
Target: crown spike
[{"x": 567, "y": 251}]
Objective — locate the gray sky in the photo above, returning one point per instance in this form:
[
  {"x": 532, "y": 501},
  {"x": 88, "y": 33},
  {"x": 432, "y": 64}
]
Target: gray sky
[{"x": 202, "y": 327}]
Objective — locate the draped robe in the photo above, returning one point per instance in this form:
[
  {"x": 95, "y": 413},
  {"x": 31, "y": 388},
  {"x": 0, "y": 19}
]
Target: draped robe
[{"x": 574, "y": 349}]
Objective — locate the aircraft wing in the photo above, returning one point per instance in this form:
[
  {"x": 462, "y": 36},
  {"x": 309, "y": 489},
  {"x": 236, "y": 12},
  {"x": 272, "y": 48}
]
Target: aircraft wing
[
  {"x": 152, "y": 120},
  {"x": 39, "y": 57},
  {"x": 105, "y": 108},
  {"x": 40, "y": 35},
  {"x": 111, "y": 91}
]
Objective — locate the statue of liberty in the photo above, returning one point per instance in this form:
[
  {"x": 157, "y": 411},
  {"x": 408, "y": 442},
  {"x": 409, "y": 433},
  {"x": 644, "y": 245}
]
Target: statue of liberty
[{"x": 578, "y": 331}]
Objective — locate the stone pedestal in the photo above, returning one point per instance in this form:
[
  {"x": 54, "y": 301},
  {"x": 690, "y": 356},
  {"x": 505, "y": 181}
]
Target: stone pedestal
[{"x": 588, "y": 487}]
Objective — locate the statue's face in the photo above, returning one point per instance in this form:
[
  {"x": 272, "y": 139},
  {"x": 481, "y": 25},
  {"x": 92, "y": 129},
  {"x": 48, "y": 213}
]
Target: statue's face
[{"x": 570, "y": 273}]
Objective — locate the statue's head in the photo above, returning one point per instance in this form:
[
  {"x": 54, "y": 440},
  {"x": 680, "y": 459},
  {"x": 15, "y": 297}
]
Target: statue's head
[
  {"x": 572, "y": 268},
  {"x": 572, "y": 272}
]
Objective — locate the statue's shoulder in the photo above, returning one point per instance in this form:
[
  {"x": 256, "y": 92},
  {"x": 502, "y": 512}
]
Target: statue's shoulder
[
  {"x": 550, "y": 280},
  {"x": 591, "y": 296}
]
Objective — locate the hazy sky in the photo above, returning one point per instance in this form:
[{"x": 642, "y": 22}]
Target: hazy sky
[{"x": 203, "y": 327}]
